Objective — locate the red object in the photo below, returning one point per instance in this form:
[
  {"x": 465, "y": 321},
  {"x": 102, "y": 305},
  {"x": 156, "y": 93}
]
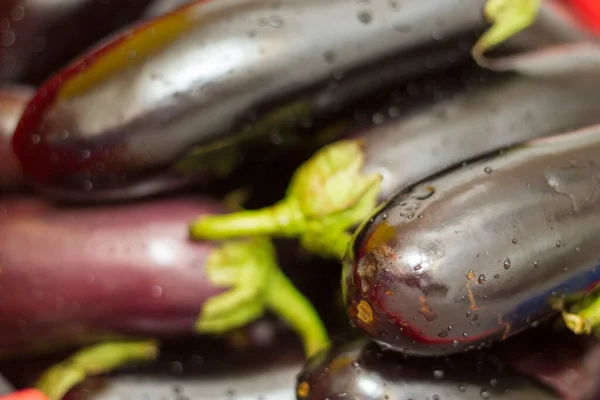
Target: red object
[
  {"x": 588, "y": 12},
  {"x": 27, "y": 394}
]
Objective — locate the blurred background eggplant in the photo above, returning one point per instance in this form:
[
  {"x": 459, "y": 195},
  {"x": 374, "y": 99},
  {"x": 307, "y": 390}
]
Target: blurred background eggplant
[
  {"x": 465, "y": 113},
  {"x": 481, "y": 252},
  {"x": 75, "y": 275},
  {"x": 361, "y": 370},
  {"x": 40, "y": 36},
  {"x": 132, "y": 109},
  {"x": 13, "y": 100}
]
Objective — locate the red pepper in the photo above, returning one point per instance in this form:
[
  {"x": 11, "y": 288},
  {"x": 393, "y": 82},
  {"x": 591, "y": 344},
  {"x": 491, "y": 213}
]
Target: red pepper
[
  {"x": 588, "y": 12},
  {"x": 27, "y": 394}
]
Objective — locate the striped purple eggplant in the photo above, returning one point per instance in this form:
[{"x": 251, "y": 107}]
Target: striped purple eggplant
[
  {"x": 13, "y": 100},
  {"x": 341, "y": 184},
  {"x": 146, "y": 110}
]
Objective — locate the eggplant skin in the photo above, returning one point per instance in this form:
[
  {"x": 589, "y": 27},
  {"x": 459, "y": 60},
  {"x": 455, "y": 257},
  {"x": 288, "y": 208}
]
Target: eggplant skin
[
  {"x": 13, "y": 100},
  {"x": 73, "y": 273},
  {"x": 142, "y": 98},
  {"x": 362, "y": 370},
  {"x": 477, "y": 253}
]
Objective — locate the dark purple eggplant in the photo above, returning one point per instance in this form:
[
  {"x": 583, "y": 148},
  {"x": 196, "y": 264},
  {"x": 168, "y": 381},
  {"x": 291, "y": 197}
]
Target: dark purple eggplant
[
  {"x": 482, "y": 252},
  {"x": 154, "y": 102},
  {"x": 362, "y": 370},
  {"x": 340, "y": 185},
  {"x": 13, "y": 100},
  {"x": 73, "y": 275},
  {"x": 40, "y": 36}
]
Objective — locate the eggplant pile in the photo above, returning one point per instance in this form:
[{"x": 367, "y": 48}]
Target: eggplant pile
[{"x": 183, "y": 183}]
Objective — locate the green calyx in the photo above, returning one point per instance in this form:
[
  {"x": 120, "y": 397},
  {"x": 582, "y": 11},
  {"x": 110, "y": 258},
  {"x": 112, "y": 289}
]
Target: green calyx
[
  {"x": 327, "y": 195},
  {"x": 508, "y": 17},
  {"x": 94, "y": 360},
  {"x": 580, "y": 312},
  {"x": 248, "y": 268}
]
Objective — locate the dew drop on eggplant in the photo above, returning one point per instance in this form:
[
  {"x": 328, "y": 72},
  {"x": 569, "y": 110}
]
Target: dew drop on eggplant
[
  {"x": 506, "y": 263},
  {"x": 365, "y": 17}
]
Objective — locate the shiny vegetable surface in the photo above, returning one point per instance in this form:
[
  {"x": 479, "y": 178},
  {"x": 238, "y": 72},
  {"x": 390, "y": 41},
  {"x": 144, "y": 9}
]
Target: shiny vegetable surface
[
  {"x": 340, "y": 185},
  {"x": 146, "y": 100},
  {"x": 40, "y": 36},
  {"x": 361, "y": 370},
  {"x": 481, "y": 252},
  {"x": 74, "y": 275},
  {"x": 13, "y": 100}
]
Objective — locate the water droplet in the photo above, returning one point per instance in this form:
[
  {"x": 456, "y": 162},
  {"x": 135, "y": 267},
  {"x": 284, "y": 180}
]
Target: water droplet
[
  {"x": 394, "y": 6},
  {"x": 365, "y": 17},
  {"x": 443, "y": 334},
  {"x": 558, "y": 243},
  {"x": 329, "y": 56},
  {"x": 417, "y": 267},
  {"x": 87, "y": 185},
  {"x": 465, "y": 335},
  {"x": 176, "y": 367},
  {"x": 485, "y": 394},
  {"x": 487, "y": 170},
  {"x": 384, "y": 216},
  {"x": 35, "y": 139},
  {"x": 468, "y": 313},
  {"x": 438, "y": 374},
  {"x": 577, "y": 249},
  {"x": 157, "y": 291},
  {"x": 8, "y": 38},
  {"x": 455, "y": 343},
  {"x": 394, "y": 112},
  {"x": 536, "y": 263},
  {"x": 496, "y": 276},
  {"x": 514, "y": 241},
  {"x": 494, "y": 382},
  {"x": 481, "y": 278},
  {"x": 506, "y": 263},
  {"x": 378, "y": 118},
  {"x": 435, "y": 397},
  {"x": 462, "y": 388},
  {"x": 450, "y": 327},
  {"x": 85, "y": 154}
]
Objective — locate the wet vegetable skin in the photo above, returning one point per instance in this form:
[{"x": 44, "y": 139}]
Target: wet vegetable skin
[
  {"x": 137, "y": 103},
  {"x": 361, "y": 370},
  {"x": 13, "y": 100},
  {"x": 478, "y": 253}
]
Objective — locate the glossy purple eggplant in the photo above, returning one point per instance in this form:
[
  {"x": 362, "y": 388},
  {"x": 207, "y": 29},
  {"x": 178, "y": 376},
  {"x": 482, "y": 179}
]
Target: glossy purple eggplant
[
  {"x": 138, "y": 106},
  {"x": 482, "y": 112},
  {"x": 362, "y": 370},
  {"x": 72, "y": 275},
  {"x": 482, "y": 252},
  {"x": 13, "y": 100},
  {"x": 40, "y": 36}
]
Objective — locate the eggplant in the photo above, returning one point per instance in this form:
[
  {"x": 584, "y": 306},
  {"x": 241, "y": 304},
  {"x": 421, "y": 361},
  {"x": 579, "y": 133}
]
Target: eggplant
[
  {"x": 362, "y": 370},
  {"x": 79, "y": 275},
  {"x": 125, "y": 118},
  {"x": 13, "y": 100},
  {"x": 341, "y": 184},
  {"x": 480, "y": 253},
  {"x": 39, "y": 36}
]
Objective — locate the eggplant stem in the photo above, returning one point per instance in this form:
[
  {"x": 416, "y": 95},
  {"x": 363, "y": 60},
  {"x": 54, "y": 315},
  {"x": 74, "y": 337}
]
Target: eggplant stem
[
  {"x": 56, "y": 381},
  {"x": 286, "y": 301},
  {"x": 327, "y": 195},
  {"x": 249, "y": 268},
  {"x": 508, "y": 17},
  {"x": 282, "y": 219}
]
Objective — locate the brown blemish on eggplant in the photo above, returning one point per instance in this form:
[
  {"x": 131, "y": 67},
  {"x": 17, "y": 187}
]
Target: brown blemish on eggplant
[
  {"x": 339, "y": 363},
  {"x": 303, "y": 389},
  {"x": 426, "y": 310},
  {"x": 380, "y": 236},
  {"x": 472, "y": 303},
  {"x": 365, "y": 312}
]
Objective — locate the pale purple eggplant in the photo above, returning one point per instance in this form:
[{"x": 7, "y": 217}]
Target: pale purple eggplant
[
  {"x": 40, "y": 36},
  {"x": 124, "y": 270},
  {"x": 13, "y": 100},
  {"x": 75, "y": 274}
]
